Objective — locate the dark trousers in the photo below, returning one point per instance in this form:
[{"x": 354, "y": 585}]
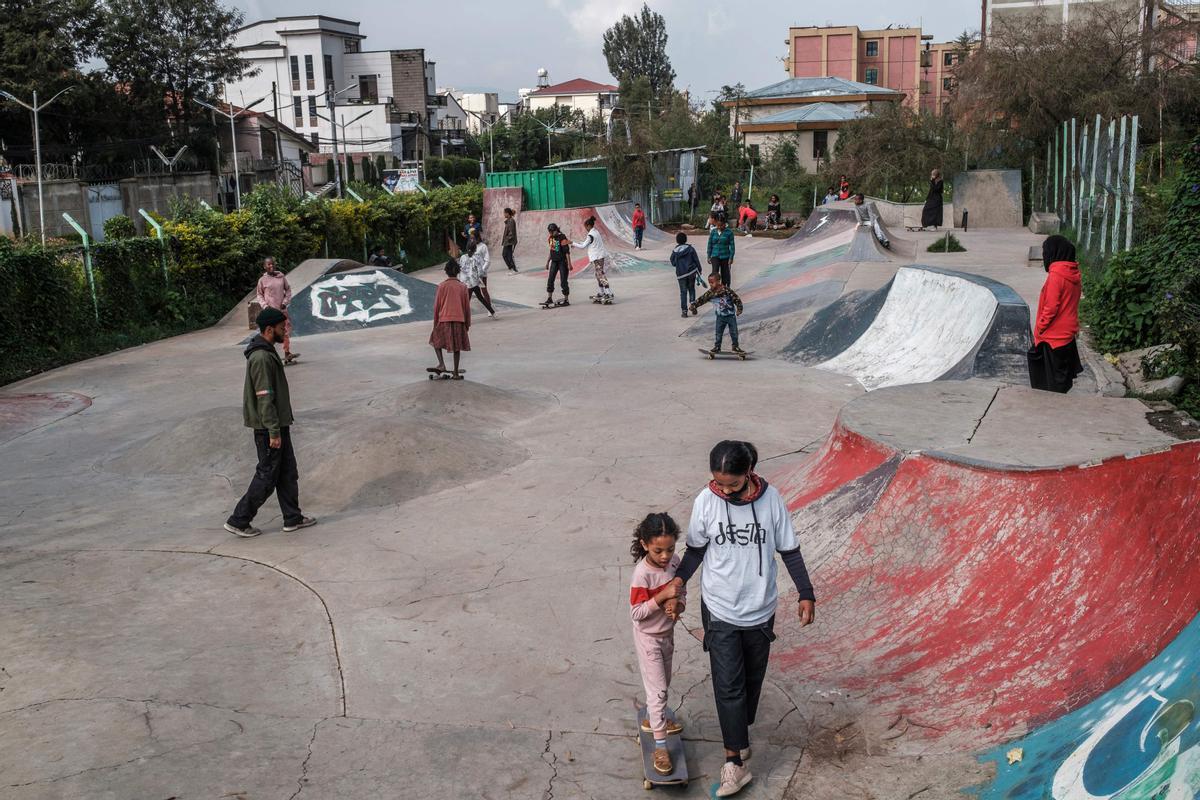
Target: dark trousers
[
  {"x": 737, "y": 658},
  {"x": 1054, "y": 369},
  {"x": 729, "y": 322},
  {"x": 721, "y": 266},
  {"x": 276, "y": 472},
  {"x": 563, "y": 270},
  {"x": 687, "y": 291},
  {"x": 507, "y": 253},
  {"x": 481, "y": 293},
  {"x": 637, "y": 236}
]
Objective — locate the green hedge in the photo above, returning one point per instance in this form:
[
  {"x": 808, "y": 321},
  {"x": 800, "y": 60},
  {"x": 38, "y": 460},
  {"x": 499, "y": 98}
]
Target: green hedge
[{"x": 211, "y": 261}]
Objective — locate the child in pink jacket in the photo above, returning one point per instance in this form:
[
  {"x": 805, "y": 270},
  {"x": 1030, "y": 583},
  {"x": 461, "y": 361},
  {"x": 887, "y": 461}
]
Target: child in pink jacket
[{"x": 655, "y": 606}]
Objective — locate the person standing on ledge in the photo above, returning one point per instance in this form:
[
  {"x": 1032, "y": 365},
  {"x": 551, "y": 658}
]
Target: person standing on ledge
[
  {"x": 509, "y": 240},
  {"x": 1054, "y": 360},
  {"x": 931, "y": 214},
  {"x": 267, "y": 409}
]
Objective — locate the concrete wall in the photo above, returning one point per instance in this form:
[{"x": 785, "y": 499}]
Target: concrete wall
[
  {"x": 494, "y": 203},
  {"x": 61, "y": 197},
  {"x": 991, "y": 196},
  {"x": 152, "y": 193}
]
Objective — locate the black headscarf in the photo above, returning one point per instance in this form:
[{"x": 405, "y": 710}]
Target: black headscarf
[{"x": 1057, "y": 248}]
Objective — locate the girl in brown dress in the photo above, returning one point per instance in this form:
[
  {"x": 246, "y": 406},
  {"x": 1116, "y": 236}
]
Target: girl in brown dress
[{"x": 451, "y": 320}]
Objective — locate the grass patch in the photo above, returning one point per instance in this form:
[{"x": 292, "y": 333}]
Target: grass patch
[{"x": 947, "y": 244}]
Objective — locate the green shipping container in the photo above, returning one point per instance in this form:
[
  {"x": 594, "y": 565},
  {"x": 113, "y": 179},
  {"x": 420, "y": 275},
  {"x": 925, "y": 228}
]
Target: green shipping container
[{"x": 547, "y": 189}]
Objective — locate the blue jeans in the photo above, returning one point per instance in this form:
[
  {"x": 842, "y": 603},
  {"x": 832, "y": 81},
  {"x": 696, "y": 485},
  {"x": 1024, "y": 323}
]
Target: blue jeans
[
  {"x": 637, "y": 236},
  {"x": 729, "y": 322},
  {"x": 687, "y": 291}
]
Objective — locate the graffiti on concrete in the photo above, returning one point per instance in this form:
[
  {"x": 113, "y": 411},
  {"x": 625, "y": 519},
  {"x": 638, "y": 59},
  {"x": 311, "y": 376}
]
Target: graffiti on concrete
[
  {"x": 1141, "y": 741},
  {"x": 363, "y": 297}
]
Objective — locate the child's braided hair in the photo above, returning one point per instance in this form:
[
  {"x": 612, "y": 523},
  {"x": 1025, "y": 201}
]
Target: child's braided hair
[{"x": 653, "y": 526}]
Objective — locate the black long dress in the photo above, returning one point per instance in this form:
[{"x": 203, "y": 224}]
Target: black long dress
[{"x": 931, "y": 215}]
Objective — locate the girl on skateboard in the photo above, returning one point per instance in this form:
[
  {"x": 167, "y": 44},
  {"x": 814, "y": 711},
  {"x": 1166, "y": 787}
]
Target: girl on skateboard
[
  {"x": 596, "y": 252},
  {"x": 558, "y": 262},
  {"x": 655, "y": 604},
  {"x": 451, "y": 319},
  {"x": 739, "y": 523}
]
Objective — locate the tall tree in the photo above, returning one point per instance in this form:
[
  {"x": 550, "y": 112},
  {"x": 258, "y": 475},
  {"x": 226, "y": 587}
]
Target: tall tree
[
  {"x": 165, "y": 53},
  {"x": 636, "y": 47}
]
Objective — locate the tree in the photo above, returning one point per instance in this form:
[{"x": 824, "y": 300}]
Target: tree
[
  {"x": 637, "y": 47},
  {"x": 165, "y": 53}
]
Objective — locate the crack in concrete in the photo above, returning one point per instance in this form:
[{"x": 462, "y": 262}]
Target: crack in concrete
[
  {"x": 552, "y": 764},
  {"x": 303, "y": 779},
  {"x": 979, "y": 421}
]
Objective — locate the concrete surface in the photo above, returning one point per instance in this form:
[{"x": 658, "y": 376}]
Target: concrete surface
[
  {"x": 992, "y": 198},
  {"x": 457, "y": 623}
]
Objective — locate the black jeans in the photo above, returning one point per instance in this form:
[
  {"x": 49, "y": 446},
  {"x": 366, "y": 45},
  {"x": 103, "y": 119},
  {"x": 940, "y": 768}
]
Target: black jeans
[
  {"x": 637, "y": 236},
  {"x": 480, "y": 293},
  {"x": 507, "y": 253},
  {"x": 687, "y": 291},
  {"x": 721, "y": 266},
  {"x": 563, "y": 270},
  {"x": 276, "y": 472},
  {"x": 738, "y": 660}
]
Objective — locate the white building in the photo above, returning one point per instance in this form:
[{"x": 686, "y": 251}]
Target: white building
[
  {"x": 385, "y": 100},
  {"x": 580, "y": 94}
]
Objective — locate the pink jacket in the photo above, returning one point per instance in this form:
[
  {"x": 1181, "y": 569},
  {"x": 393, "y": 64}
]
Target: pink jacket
[
  {"x": 648, "y": 580},
  {"x": 273, "y": 291}
]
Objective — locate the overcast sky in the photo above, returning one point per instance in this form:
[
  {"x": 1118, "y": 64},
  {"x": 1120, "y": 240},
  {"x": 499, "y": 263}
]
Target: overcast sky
[{"x": 498, "y": 45}]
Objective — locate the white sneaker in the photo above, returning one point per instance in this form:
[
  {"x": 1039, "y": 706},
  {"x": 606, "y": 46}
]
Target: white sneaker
[
  {"x": 745, "y": 754},
  {"x": 248, "y": 532},
  {"x": 733, "y": 779},
  {"x": 305, "y": 522}
]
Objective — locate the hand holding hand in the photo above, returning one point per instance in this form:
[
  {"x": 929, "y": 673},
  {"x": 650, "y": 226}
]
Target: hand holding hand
[
  {"x": 669, "y": 591},
  {"x": 808, "y": 612}
]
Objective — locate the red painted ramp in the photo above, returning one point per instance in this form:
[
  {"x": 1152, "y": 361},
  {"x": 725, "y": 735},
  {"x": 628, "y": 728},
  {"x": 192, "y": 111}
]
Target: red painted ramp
[{"x": 976, "y": 582}]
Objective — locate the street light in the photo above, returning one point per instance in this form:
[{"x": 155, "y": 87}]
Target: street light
[
  {"x": 37, "y": 145},
  {"x": 237, "y": 175},
  {"x": 334, "y": 126},
  {"x": 549, "y": 129},
  {"x": 491, "y": 138}
]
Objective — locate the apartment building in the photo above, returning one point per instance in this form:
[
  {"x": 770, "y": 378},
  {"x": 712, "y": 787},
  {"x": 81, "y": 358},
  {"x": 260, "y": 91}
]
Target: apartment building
[
  {"x": 901, "y": 59},
  {"x": 581, "y": 94},
  {"x": 385, "y": 100}
]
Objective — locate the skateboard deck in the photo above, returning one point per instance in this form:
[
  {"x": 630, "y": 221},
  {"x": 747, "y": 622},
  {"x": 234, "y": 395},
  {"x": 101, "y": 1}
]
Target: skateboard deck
[
  {"x": 556, "y": 304},
  {"x": 726, "y": 354},
  {"x": 444, "y": 374},
  {"x": 679, "y": 777}
]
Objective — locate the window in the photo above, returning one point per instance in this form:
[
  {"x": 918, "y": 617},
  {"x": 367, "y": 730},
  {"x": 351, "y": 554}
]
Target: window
[
  {"x": 352, "y": 45},
  {"x": 308, "y": 73},
  {"x": 949, "y": 59},
  {"x": 328, "y": 76},
  {"x": 298, "y": 108},
  {"x": 873, "y": 49},
  {"x": 312, "y": 111},
  {"x": 316, "y": 139},
  {"x": 872, "y": 76},
  {"x": 947, "y": 84},
  {"x": 368, "y": 87},
  {"x": 820, "y": 144},
  {"x": 295, "y": 61}
]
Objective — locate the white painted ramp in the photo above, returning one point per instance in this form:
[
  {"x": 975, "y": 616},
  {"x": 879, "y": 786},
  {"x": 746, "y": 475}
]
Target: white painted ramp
[{"x": 928, "y": 324}]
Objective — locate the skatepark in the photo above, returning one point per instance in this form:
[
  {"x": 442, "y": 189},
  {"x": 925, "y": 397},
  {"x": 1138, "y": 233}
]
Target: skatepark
[{"x": 1006, "y": 603}]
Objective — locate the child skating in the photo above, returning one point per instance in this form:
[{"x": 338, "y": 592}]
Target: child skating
[
  {"x": 558, "y": 262},
  {"x": 728, "y": 307},
  {"x": 594, "y": 244},
  {"x": 451, "y": 321},
  {"x": 655, "y": 606}
]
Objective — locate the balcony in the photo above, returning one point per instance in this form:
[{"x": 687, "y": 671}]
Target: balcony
[{"x": 394, "y": 117}]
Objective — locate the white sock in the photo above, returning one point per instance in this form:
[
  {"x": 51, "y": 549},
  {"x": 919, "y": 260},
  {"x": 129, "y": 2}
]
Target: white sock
[{"x": 660, "y": 743}]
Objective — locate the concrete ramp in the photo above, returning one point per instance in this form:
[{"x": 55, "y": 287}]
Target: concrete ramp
[
  {"x": 1004, "y": 571},
  {"x": 824, "y": 222},
  {"x": 617, "y": 219},
  {"x": 937, "y": 325},
  {"x": 360, "y": 299}
]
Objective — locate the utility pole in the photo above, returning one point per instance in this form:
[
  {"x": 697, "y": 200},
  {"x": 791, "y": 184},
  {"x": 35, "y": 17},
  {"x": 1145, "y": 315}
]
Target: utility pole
[
  {"x": 37, "y": 145},
  {"x": 278, "y": 138},
  {"x": 237, "y": 175},
  {"x": 337, "y": 164}
]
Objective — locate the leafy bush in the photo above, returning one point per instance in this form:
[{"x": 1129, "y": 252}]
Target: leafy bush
[
  {"x": 119, "y": 227},
  {"x": 947, "y": 244}
]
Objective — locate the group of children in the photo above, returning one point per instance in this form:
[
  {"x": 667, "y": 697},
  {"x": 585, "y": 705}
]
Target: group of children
[
  {"x": 726, "y": 303},
  {"x": 558, "y": 263}
]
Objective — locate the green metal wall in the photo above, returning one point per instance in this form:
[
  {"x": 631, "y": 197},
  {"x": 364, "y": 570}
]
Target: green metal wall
[{"x": 548, "y": 189}]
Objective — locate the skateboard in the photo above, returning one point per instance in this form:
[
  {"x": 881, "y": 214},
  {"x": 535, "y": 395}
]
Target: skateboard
[
  {"x": 674, "y": 746},
  {"x": 740, "y": 356},
  {"x": 444, "y": 374},
  {"x": 287, "y": 362},
  {"x": 601, "y": 300},
  {"x": 917, "y": 229},
  {"x": 555, "y": 304}
]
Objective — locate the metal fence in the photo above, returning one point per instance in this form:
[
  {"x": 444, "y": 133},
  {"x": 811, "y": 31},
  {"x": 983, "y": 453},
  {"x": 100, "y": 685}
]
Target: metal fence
[{"x": 1089, "y": 181}]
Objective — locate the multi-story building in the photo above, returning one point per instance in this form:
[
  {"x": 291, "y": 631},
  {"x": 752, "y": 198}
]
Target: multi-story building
[
  {"x": 578, "y": 94},
  {"x": 388, "y": 97},
  {"x": 483, "y": 109},
  {"x": 901, "y": 59}
]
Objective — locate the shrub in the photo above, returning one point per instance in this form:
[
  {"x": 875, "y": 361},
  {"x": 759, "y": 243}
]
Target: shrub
[
  {"x": 947, "y": 244},
  {"x": 119, "y": 227}
]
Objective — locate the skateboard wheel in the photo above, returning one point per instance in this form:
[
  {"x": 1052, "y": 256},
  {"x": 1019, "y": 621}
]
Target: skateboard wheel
[{"x": 647, "y": 785}]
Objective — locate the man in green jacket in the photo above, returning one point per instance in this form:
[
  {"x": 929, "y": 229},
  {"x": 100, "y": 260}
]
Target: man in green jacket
[
  {"x": 267, "y": 408},
  {"x": 720, "y": 249}
]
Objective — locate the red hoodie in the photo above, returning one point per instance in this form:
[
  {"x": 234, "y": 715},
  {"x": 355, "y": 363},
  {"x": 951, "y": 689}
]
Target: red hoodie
[
  {"x": 1058, "y": 306},
  {"x": 639, "y": 219}
]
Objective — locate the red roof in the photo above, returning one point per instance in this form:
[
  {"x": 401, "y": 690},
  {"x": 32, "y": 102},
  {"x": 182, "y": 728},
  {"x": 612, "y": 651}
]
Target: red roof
[{"x": 577, "y": 86}]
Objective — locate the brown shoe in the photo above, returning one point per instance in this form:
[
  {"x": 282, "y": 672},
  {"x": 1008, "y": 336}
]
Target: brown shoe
[
  {"x": 662, "y": 761},
  {"x": 673, "y": 727}
]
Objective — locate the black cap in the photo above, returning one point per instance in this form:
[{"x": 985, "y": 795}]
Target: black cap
[{"x": 268, "y": 317}]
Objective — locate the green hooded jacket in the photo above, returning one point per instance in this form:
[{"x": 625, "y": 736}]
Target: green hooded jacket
[{"x": 266, "y": 403}]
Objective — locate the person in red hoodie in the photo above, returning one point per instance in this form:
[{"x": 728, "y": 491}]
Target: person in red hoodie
[
  {"x": 1054, "y": 358},
  {"x": 639, "y": 225}
]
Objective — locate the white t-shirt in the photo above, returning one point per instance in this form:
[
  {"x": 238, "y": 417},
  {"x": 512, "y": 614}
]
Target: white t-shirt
[
  {"x": 594, "y": 244},
  {"x": 740, "y": 570}
]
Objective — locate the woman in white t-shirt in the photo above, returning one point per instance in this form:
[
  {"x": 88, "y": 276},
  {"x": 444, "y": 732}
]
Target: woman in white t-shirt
[{"x": 739, "y": 523}]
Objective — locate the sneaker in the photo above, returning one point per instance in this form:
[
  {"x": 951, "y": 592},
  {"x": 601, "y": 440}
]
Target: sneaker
[
  {"x": 745, "y": 754},
  {"x": 737, "y": 349},
  {"x": 248, "y": 532},
  {"x": 662, "y": 761},
  {"x": 694, "y": 312},
  {"x": 684, "y": 315},
  {"x": 674, "y": 727},
  {"x": 733, "y": 779},
  {"x": 492, "y": 314},
  {"x": 305, "y": 522},
  {"x": 715, "y": 350},
  {"x": 565, "y": 302}
]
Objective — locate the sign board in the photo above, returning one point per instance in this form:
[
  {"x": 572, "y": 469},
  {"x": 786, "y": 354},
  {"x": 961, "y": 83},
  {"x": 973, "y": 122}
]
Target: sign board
[
  {"x": 397, "y": 181},
  {"x": 672, "y": 194}
]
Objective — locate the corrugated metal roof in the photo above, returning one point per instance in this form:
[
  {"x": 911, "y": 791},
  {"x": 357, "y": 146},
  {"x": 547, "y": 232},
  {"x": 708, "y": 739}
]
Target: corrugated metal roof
[
  {"x": 818, "y": 87},
  {"x": 814, "y": 112}
]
